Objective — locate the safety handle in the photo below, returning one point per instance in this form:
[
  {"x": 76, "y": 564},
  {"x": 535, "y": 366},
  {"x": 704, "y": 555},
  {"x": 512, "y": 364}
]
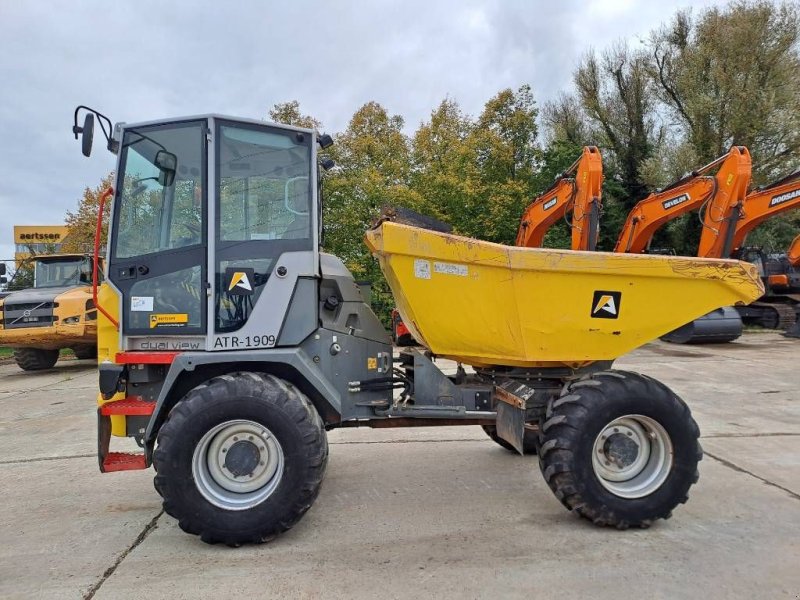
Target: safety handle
[{"x": 97, "y": 233}]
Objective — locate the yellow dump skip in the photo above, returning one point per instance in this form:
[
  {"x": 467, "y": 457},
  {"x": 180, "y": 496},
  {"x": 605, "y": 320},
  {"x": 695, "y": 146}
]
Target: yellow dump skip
[{"x": 488, "y": 304}]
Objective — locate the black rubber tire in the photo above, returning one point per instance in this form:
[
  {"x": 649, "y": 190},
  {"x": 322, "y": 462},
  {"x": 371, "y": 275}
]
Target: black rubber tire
[
  {"x": 262, "y": 398},
  {"x": 574, "y": 421},
  {"x": 769, "y": 319},
  {"x": 530, "y": 442},
  {"x": 85, "y": 352},
  {"x": 32, "y": 359}
]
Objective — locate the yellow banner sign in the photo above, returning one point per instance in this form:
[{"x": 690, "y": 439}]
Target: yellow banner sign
[{"x": 169, "y": 320}]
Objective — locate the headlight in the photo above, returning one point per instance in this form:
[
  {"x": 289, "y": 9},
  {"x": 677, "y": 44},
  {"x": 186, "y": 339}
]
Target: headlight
[{"x": 71, "y": 320}]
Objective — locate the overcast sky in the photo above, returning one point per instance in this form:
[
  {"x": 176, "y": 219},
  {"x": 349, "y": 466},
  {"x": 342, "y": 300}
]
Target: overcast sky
[{"x": 142, "y": 60}]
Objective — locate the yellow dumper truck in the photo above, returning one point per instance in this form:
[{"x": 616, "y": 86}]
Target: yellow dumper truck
[
  {"x": 229, "y": 343},
  {"x": 57, "y": 312}
]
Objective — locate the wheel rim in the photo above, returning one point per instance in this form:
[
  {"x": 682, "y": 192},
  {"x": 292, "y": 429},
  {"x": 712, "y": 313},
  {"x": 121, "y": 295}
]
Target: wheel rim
[
  {"x": 632, "y": 456},
  {"x": 237, "y": 464}
]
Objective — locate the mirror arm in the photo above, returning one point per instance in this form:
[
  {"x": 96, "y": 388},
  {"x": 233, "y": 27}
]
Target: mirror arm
[{"x": 105, "y": 125}]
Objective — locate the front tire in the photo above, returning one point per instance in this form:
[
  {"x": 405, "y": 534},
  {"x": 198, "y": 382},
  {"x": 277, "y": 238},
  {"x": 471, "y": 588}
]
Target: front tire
[
  {"x": 32, "y": 359},
  {"x": 240, "y": 458},
  {"x": 85, "y": 352},
  {"x": 620, "y": 449}
]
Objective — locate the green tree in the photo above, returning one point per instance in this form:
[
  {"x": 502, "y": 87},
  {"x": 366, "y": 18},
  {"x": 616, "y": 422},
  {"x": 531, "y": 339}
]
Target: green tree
[
  {"x": 506, "y": 150},
  {"x": 730, "y": 77},
  {"x": 289, "y": 113},
  {"x": 617, "y": 95},
  {"x": 373, "y": 169},
  {"x": 444, "y": 167},
  {"x": 82, "y": 223}
]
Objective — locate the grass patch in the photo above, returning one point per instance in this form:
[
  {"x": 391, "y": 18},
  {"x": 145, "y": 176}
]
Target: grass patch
[{"x": 64, "y": 353}]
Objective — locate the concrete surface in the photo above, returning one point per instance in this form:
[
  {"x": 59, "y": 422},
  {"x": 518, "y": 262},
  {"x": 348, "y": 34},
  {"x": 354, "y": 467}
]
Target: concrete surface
[{"x": 418, "y": 512}]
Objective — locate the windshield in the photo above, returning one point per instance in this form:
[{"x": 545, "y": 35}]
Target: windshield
[
  {"x": 160, "y": 205},
  {"x": 264, "y": 191},
  {"x": 62, "y": 273},
  {"x": 264, "y": 208}
]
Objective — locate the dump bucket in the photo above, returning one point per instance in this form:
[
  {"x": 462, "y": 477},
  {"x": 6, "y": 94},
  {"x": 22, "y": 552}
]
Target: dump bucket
[{"x": 487, "y": 304}]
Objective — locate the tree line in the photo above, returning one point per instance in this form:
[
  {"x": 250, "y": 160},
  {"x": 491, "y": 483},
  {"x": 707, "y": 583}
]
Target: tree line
[{"x": 657, "y": 108}]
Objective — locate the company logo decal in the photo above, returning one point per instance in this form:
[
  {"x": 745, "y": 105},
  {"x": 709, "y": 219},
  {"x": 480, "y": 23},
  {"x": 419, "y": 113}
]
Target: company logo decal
[
  {"x": 240, "y": 281},
  {"x": 667, "y": 204},
  {"x": 606, "y": 305},
  {"x": 169, "y": 320},
  {"x": 550, "y": 204},
  {"x": 784, "y": 197}
]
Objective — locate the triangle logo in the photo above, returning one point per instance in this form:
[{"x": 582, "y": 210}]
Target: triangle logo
[
  {"x": 606, "y": 305},
  {"x": 240, "y": 280}
]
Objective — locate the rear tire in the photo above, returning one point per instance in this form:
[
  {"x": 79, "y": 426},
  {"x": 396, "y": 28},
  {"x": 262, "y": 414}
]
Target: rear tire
[
  {"x": 279, "y": 449},
  {"x": 620, "y": 449},
  {"x": 32, "y": 359},
  {"x": 85, "y": 352}
]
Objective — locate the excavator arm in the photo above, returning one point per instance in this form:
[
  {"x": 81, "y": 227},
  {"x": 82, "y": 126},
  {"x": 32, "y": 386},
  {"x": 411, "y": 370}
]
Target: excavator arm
[
  {"x": 764, "y": 203},
  {"x": 700, "y": 188},
  {"x": 725, "y": 210},
  {"x": 579, "y": 189}
]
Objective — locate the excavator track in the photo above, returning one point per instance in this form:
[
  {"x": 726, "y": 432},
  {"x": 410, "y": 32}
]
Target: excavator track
[{"x": 775, "y": 315}]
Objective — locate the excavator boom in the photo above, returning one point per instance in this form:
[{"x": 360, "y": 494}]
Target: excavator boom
[
  {"x": 722, "y": 189},
  {"x": 764, "y": 203},
  {"x": 724, "y": 210},
  {"x": 578, "y": 189}
]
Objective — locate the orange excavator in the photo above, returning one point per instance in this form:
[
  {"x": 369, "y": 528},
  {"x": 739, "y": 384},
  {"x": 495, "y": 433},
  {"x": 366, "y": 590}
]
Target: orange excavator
[
  {"x": 720, "y": 193},
  {"x": 729, "y": 219},
  {"x": 579, "y": 190},
  {"x": 718, "y": 188},
  {"x": 780, "y": 306},
  {"x": 763, "y": 203},
  {"x": 793, "y": 257},
  {"x": 793, "y": 253}
]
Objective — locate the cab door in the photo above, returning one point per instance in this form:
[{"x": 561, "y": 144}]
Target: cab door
[{"x": 159, "y": 238}]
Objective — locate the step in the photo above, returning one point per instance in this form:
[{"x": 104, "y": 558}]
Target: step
[
  {"x": 123, "y": 461},
  {"x": 129, "y": 407}
]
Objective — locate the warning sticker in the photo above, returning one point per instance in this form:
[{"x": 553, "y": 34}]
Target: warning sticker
[
  {"x": 169, "y": 320},
  {"x": 422, "y": 269},
  {"x": 450, "y": 269},
  {"x": 142, "y": 303}
]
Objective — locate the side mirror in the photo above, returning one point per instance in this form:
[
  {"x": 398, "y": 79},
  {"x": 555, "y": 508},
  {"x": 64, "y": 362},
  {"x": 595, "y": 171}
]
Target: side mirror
[
  {"x": 88, "y": 134},
  {"x": 167, "y": 164},
  {"x": 324, "y": 140},
  {"x": 2, "y": 268}
]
